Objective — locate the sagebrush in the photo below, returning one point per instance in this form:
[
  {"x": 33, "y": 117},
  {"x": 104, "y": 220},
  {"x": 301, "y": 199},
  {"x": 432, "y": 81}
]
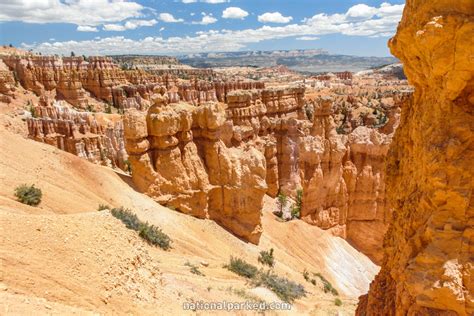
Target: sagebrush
[
  {"x": 28, "y": 194},
  {"x": 266, "y": 257},
  {"x": 151, "y": 233},
  {"x": 328, "y": 288},
  {"x": 242, "y": 268},
  {"x": 285, "y": 289}
]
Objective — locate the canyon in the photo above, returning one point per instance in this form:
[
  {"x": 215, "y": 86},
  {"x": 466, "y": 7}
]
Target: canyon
[
  {"x": 214, "y": 149},
  {"x": 363, "y": 177}
]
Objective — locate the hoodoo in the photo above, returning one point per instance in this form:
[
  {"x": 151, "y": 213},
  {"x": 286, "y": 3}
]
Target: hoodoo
[{"x": 429, "y": 247}]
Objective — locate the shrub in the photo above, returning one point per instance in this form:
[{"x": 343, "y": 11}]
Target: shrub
[
  {"x": 103, "y": 207},
  {"x": 152, "y": 234},
  {"x": 306, "y": 275},
  {"x": 108, "y": 108},
  {"x": 296, "y": 210},
  {"x": 327, "y": 285},
  {"x": 340, "y": 130},
  {"x": 281, "y": 201},
  {"x": 266, "y": 257},
  {"x": 130, "y": 220},
  {"x": 194, "y": 269},
  {"x": 28, "y": 194},
  {"x": 32, "y": 110},
  {"x": 285, "y": 289},
  {"x": 242, "y": 268},
  {"x": 309, "y": 111},
  {"x": 155, "y": 236},
  {"x": 128, "y": 166},
  {"x": 338, "y": 301}
]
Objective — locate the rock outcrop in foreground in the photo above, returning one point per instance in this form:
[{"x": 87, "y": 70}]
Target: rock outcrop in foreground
[{"x": 429, "y": 248}]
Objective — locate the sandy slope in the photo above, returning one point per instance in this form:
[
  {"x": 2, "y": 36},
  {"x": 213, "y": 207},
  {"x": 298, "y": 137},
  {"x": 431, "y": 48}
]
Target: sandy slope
[{"x": 65, "y": 257}]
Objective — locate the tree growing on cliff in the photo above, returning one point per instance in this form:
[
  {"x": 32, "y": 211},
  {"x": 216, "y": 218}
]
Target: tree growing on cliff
[
  {"x": 296, "y": 210},
  {"x": 281, "y": 202}
]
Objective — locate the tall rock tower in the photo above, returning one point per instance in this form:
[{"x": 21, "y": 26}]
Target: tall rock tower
[{"x": 428, "y": 264}]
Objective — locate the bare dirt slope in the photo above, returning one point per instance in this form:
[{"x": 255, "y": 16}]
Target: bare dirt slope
[{"x": 66, "y": 257}]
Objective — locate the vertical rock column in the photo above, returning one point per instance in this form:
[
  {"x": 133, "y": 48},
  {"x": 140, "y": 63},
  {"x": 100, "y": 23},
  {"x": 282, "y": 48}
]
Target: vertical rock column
[{"x": 428, "y": 262}]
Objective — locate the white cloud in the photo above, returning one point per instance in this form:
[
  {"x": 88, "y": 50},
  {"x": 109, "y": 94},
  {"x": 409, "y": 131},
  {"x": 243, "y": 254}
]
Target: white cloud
[
  {"x": 169, "y": 18},
  {"x": 234, "y": 13},
  {"x": 361, "y": 11},
  {"x": 383, "y": 23},
  {"x": 307, "y": 38},
  {"x": 206, "y": 1},
  {"x": 129, "y": 25},
  {"x": 133, "y": 24},
  {"x": 274, "y": 17},
  {"x": 79, "y": 12},
  {"x": 86, "y": 28},
  {"x": 114, "y": 27},
  {"x": 206, "y": 19}
]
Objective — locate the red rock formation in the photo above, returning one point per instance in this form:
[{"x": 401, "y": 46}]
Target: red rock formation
[
  {"x": 342, "y": 176},
  {"x": 78, "y": 133},
  {"x": 343, "y": 181},
  {"x": 178, "y": 158},
  {"x": 7, "y": 83},
  {"x": 428, "y": 259}
]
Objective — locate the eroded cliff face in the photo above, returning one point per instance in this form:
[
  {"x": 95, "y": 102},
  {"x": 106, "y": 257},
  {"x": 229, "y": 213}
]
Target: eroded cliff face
[
  {"x": 179, "y": 157},
  {"x": 76, "y": 80},
  {"x": 87, "y": 135},
  {"x": 217, "y": 160},
  {"x": 429, "y": 248},
  {"x": 212, "y": 148},
  {"x": 342, "y": 178}
]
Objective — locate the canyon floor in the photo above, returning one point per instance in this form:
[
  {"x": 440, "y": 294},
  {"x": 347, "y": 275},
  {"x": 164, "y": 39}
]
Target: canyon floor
[{"x": 64, "y": 256}]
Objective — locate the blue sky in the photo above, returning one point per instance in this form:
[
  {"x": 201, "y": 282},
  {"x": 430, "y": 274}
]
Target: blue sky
[{"x": 352, "y": 27}]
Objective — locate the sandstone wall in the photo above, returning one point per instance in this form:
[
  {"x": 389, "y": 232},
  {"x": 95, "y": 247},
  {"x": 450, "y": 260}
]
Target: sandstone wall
[
  {"x": 79, "y": 133},
  {"x": 179, "y": 158},
  {"x": 342, "y": 177},
  {"x": 203, "y": 142},
  {"x": 74, "y": 79},
  {"x": 429, "y": 248},
  {"x": 217, "y": 160}
]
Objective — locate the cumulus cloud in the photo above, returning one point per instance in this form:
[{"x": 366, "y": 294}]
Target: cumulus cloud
[
  {"x": 382, "y": 22},
  {"x": 206, "y": 1},
  {"x": 169, "y": 18},
  {"x": 234, "y": 13},
  {"x": 206, "y": 19},
  {"x": 274, "y": 17},
  {"x": 129, "y": 25},
  {"x": 86, "y": 28},
  {"x": 79, "y": 12},
  {"x": 307, "y": 38}
]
